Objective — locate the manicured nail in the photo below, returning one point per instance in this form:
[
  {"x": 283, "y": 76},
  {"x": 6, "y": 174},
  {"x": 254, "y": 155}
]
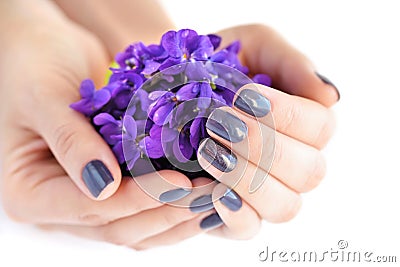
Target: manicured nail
[
  {"x": 211, "y": 221},
  {"x": 96, "y": 177},
  {"x": 227, "y": 126},
  {"x": 218, "y": 155},
  {"x": 328, "y": 82},
  {"x": 253, "y": 103},
  {"x": 173, "y": 195},
  {"x": 231, "y": 200},
  {"x": 201, "y": 204}
]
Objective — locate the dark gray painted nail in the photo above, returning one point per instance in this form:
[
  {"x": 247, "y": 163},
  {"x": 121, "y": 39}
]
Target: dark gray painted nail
[
  {"x": 227, "y": 126},
  {"x": 201, "y": 204},
  {"x": 96, "y": 177},
  {"x": 219, "y": 156},
  {"x": 253, "y": 103},
  {"x": 231, "y": 200},
  {"x": 328, "y": 82},
  {"x": 173, "y": 195},
  {"x": 211, "y": 221}
]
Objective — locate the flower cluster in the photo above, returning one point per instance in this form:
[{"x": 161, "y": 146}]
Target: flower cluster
[{"x": 155, "y": 105}]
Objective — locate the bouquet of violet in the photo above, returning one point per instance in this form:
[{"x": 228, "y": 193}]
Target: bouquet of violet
[{"x": 153, "y": 110}]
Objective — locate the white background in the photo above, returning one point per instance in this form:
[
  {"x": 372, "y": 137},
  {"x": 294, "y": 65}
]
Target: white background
[{"x": 354, "y": 43}]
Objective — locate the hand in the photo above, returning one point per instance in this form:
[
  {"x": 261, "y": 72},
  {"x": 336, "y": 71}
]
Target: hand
[
  {"x": 55, "y": 167},
  {"x": 303, "y": 127}
]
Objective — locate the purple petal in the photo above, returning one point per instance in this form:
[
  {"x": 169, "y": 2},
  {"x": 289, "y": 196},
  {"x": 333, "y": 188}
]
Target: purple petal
[
  {"x": 150, "y": 67},
  {"x": 134, "y": 78},
  {"x": 104, "y": 118},
  {"x": 156, "y": 94},
  {"x": 234, "y": 47},
  {"x": 168, "y": 135},
  {"x": 182, "y": 148},
  {"x": 155, "y": 132},
  {"x": 157, "y": 52},
  {"x": 131, "y": 162},
  {"x": 152, "y": 148},
  {"x": 262, "y": 79},
  {"x": 161, "y": 114},
  {"x": 187, "y": 92},
  {"x": 170, "y": 62},
  {"x": 205, "y": 95},
  {"x": 215, "y": 40},
  {"x": 130, "y": 127},
  {"x": 188, "y": 40},
  {"x": 196, "y": 71},
  {"x": 195, "y": 131},
  {"x": 83, "y": 106},
  {"x": 118, "y": 152},
  {"x": 220, "y": 56},
  {"x": 204, "y": 49},
  {"x": 87, "y": 88},
  {"x": 170, "y": 43}
]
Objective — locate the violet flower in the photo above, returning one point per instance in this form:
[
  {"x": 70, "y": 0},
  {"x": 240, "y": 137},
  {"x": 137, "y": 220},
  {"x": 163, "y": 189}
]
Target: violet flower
[
  {"x": 156, "y": 102},
  {"x": 92, "y": 100}
]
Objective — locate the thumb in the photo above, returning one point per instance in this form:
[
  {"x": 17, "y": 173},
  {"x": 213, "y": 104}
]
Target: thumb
[{"x": 78, "y": 148}]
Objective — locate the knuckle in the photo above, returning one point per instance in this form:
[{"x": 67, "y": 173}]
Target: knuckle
[
  {"x": 291, "y": 115},
  {"x": 278, "y": 152},
  {"x": 316, "y": 173},
  {"x": 91, "y": 219},
  {"x": 64, "y": 139},
  {"x": 169, "y": 219},
  {"x": 325, "y": 131},
  {"x": 287, "y": 212}
]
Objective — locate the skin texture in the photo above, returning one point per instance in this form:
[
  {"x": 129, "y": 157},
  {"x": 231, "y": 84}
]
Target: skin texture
[{"x": 45, "y": 144}]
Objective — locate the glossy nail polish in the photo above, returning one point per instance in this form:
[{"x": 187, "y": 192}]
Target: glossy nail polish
[
  {"x": 201, "y": 204},
  {"x": 227, "y": 126},
  {"x": 96, "y": 177},
  {"x": 328, "y": 82},
  {"x": 231, "y": 200},
  {"x": 211, "y": 221},
  {"x": 253, "y": 103},
  {"x": 173, "y": 195},
  {"x": 218, "y": 155}
]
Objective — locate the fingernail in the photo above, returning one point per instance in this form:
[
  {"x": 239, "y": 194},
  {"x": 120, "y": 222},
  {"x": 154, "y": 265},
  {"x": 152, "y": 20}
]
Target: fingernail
[
  {"x": 328, "y": 82},
  {"x": 201, "y": 204},
  {"x": 227, "y": 126},
  {"x": 211, "y": 221},
  {"x": 96, "y": 176},
  {"x": 253, "y": 103},
  {"x": 218, "y": 155},
  {"x": 173, "y": 195},
  {"x": 231, "y": 200}
]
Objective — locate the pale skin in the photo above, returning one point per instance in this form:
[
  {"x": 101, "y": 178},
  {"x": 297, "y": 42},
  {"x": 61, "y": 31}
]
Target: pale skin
[{"x": 48, "y": 48}]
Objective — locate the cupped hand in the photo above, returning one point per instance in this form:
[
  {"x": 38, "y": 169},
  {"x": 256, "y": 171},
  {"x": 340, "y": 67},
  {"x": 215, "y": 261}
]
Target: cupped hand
[
  {"x": 56, "y": 170},
  {"x": 268, "y": 151}
]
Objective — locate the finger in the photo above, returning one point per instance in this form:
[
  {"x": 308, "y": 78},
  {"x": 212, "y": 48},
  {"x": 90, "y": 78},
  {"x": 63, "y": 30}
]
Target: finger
[
  {"x": 131, "y": 230},
  {"x": 271, "y": 199},
  {"x": 296, "y": 164},
  {"x": 52, "y": 197},
  {"x": 83, "y": 154},
  {"x": 182, "y": 231},
  {"x": 240, "y": 220},
  {"x": 265, "y": 51},
  {"x": 297, "y": 117}
]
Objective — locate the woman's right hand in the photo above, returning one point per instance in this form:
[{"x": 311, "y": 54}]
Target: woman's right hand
[{"x": 55, "y": 167}]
